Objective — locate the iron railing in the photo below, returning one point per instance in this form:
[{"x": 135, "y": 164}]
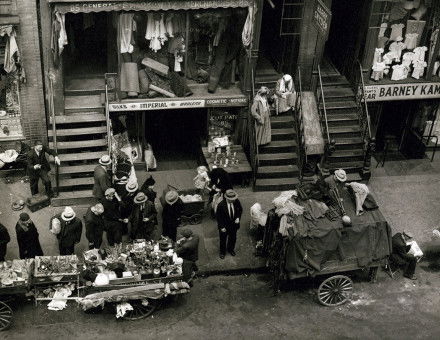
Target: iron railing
[
  {"x": 297, "y": 116},
  {"x": 253, "y": 145},
  {"x": 54, "y": 129},
  {"x": 365, "y": 115},
  {"x": 110, "y": 83},
  {"x": 321, "y": 100}
]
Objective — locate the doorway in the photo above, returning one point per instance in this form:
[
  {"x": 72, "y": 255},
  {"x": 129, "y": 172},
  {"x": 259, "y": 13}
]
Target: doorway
[
  {"x": 343, "y": 43},
  {"x": 175, "y": 136},
  {"x": 89, "y": 38}
]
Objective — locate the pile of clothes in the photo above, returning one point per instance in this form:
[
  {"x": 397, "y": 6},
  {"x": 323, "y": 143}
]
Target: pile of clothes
[{"x": 191, "y": 198}]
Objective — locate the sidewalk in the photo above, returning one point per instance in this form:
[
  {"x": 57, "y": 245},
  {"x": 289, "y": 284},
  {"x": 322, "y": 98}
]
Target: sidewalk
[{"x": 407, "y": 193}]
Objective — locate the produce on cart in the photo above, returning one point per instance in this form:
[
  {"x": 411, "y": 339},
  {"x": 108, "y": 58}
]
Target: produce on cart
[
  {"x": 133, "y": 276},
  {"x": 52, "y": 267},
  {"x": 305, "y": 236}
]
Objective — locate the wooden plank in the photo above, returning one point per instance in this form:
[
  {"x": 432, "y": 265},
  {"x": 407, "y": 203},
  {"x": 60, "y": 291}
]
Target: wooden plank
[
  {"x": 155, "y": 66},
  {"x": 79, "y": 118},
  {"x": 71, "y": 182},
  {"x": 79, "y": 131},
  {"x": 80, "y": 144},
  {"x": 75, "y": 169},
  {"x": 80, "y": 156}
]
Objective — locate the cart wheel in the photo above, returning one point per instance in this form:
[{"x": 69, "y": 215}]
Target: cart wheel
[
  {"x": 140, "y": 311},
  {"x": 196, "y": 219},
  {"x": 5, "y": 316},
  {"x": 335, "y": 291}
]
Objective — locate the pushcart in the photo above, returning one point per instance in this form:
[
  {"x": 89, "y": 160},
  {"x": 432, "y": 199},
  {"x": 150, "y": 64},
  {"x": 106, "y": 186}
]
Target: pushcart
[
  {"x": 193, "y": 212},
  {"x": 144, "y": 296}
]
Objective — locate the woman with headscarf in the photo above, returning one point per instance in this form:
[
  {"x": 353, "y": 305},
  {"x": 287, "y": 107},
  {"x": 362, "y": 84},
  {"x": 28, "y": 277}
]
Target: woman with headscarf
[
  {"x": 260, "y": 110},
  {"x": 27, "y": 238},
  {"x": 285, "y": 95}
]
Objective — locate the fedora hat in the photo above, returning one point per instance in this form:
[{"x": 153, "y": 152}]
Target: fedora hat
[
  {"x": 68, "y": 214},
  {"x": 140, "y": 198},
  {"x": 408, "y": 234},
  {"x": 231, "y": 195},
  {"x": 105, "y": 160},
  {"x": 110, "y": 191},
  {"x": 340, "y": 175},
  {"x": 171, "y": 197},
  {"x": 131, "y": 187},
  {"x": 98, "y": 208}
]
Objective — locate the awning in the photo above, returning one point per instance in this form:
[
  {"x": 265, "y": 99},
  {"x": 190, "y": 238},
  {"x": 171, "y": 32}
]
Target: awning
[{"x": 84, "y": 6}]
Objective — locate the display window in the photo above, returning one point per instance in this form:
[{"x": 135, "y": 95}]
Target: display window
[{"x": 406, "y": 46}]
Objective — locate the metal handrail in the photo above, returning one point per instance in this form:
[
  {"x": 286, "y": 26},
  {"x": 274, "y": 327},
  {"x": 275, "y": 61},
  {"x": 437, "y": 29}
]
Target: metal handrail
[
  {"x": 363, "y": 98},
  {"x": 323, "y": 103},
  {"x": 54, "y": 131},
  {"x": 435, "y": 145},
  {"x": 254, "y": 147},
  {"x": 107, "y": 117},
  {"x": 300, "y": 127}
]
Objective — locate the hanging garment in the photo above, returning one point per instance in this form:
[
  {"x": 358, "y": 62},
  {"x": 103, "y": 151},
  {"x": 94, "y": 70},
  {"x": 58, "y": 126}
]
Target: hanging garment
[
  {"x": 388, "y": 58},
  {"x": 415, "y": 26},
  {"x": 246, "y": 35},
  {"x": 408, "y": 58},
  {"x": 169, "y": 25},
  {"x": 436, "y": 68},
  {"x": 11, "y": 49},
  {"x": 396, "y": 31},
  {"x": 377, "y": 55},
  {"x": 149, "y": 33},
  {"x": 397, "y": 48},
  {"x": 383, "y": 28},
  {"x": 62, "y": 38},
  {"x": 400, "y": 72},
  {"x": 381, "y": 42},
  {"x": 411, "y": 40},
  {"x": 261, "y": 112},
  {"x": 419, "y": 68},
  {"x": 378, "y": 70},
  {"x": 126, "y": 27},
  {"x": 420, "y": 53}
]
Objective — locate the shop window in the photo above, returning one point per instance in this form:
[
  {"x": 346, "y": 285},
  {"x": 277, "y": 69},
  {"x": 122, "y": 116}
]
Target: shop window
[{"x": 405, "y": 39}]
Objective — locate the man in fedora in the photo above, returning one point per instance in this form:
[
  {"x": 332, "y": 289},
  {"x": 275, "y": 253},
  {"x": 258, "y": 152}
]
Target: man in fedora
[
  {"x": 228, "y": 221},
  {"x": 114, "y": 223},
  {"x": 27, "y": 238},
  {"x": 95, "y": 227},
  {"x": 400, "y": 256},
  {"x": 337, "y": 180},
  {"x": 38, "y": 167},
  {"x": 102, "y": 179},
  {"x": 127, "y": 202},
  {"x": 143, "y": 218},
  {"x": 171, "y": 214},
  {"x": 148, "y": 188},
  {"x": 70, "y": 231}
]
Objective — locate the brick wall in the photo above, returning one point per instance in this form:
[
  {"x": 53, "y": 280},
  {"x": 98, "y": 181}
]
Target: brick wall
[{"x": 31, "y": 93}]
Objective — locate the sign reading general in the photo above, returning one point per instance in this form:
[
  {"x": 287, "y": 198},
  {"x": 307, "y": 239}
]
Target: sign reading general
[
  {"x": 322, "y": 17},
  {"x": 402, "y": 91},
  {"x": 177, "y": 104}
]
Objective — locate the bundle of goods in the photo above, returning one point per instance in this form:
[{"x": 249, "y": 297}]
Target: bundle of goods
[
  {"x": 131, "y": 262},
  {"x": 15, "y": 273},
  {"x": 55, "y": 267}
]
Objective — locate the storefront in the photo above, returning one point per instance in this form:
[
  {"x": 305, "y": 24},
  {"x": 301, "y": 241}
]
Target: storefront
[{"x": 179, "y": 56}]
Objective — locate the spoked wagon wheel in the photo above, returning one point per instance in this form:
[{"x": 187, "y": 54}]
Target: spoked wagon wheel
[
  {"x": 335, "y": 291},
  {"x": 5, "y": 316},
  {"x": 141, "y": 310}
]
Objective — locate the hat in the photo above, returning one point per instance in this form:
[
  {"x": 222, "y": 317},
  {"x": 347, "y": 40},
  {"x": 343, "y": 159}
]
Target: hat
[
  {"x": 399, "y": 38},
  {"x": 98, "y": 208},
  {"x": 24, "y": 217},
  {"x": 346, "y": 220},
  {"x": 131, "y": 187},
  {"x": 231, "y": 195},
  {"x": 150, "y": 181},
  {"x": 287, "y": 77},
  {"x": 68, "y": 214},
  {"x": 340, "y": 175},
  {"x": 408, "y": 234},
  {"x": 109, "y": 191},
  {"x": 186, "y": 233},
  {"x": 105, "y": 160},
  {"x": 171, "y": 196},
  {"x": 38, "y": 142},
  {"x": 140, "y": 198}
]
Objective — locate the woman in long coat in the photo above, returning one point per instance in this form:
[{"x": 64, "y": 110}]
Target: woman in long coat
[
  {"x": 171, "y": 214},
  {"x": 27, "y": 238},
  {"x": 260, "y": 110}
]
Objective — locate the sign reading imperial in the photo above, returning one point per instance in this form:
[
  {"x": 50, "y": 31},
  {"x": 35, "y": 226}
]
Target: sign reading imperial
[
  {"x": 402, "y": 91},
  {"x": 177, "y": 104}
]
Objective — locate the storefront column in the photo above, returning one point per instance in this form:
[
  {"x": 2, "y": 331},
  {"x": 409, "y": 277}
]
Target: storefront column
[{"x": 49, "y": 68}]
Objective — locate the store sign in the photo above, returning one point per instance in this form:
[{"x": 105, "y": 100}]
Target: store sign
[
  {"x": 322, "y": 17},
  {"x": 177, "y": 104},
  {"x": 84, "y": 6},
  {"x": 402, "y": 91}
]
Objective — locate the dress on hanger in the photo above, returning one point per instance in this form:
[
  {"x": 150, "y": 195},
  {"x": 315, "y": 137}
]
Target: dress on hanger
[
  {"x": 377, "y": 55},
  {"x": 378, "y": 70},
  {"x": 397, "y": 48},
  {"x": 396, "y": 31},
  {"x": 415, "y": 26},
  {"x": 408, "y": 58},
  {"x": 419, "y": 68},
  {"x": 126, "y": 27},
  {"x": 411, "y": 40},
  {"x": 383, "y": 28},
  {"x": 399, "y": 72},
  {"x": 420, "y": 53}
]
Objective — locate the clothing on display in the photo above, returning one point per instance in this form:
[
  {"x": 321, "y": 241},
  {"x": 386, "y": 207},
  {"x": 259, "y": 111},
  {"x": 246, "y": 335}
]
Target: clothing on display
[
  {"x": 415, "y": 26},
  {"x": 396, "y": 31},
  {"x": 377, "y": 55},
  {"x": 378, "y": 71},
  {"x": 397, "y": 48},
  {"x": 419, "y": 68},
  {"x": 381, "y": 42},
  {"x": 157, "y": 30},
  {"x": 411, "y": 40},
  {"x": 408, "y": 58},
  {"x": 420, "y": 53},
  {"x": 246, "y": 35},
  {"x": 127, "y": 26},
  {"x": 11, "y": 48},
  {"x": 400, "y": 72},
  {"x": 383, "y": 28}
]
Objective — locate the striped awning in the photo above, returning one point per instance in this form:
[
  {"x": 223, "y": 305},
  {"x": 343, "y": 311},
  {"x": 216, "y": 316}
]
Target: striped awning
[{"x": 85, "y": 6}]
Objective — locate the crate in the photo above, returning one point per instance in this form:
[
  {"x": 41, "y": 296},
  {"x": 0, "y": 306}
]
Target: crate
[{"x": 37, "y": 202}]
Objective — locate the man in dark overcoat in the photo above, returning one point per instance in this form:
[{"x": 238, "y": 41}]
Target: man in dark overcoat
[
  {"x": 69, "y": 232},
  {"x": 102, "y": 179},
  {"x": 95, "y": 227},
  {"x": 143, "y": 218},
  {"x": 228, "y": 222}
]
